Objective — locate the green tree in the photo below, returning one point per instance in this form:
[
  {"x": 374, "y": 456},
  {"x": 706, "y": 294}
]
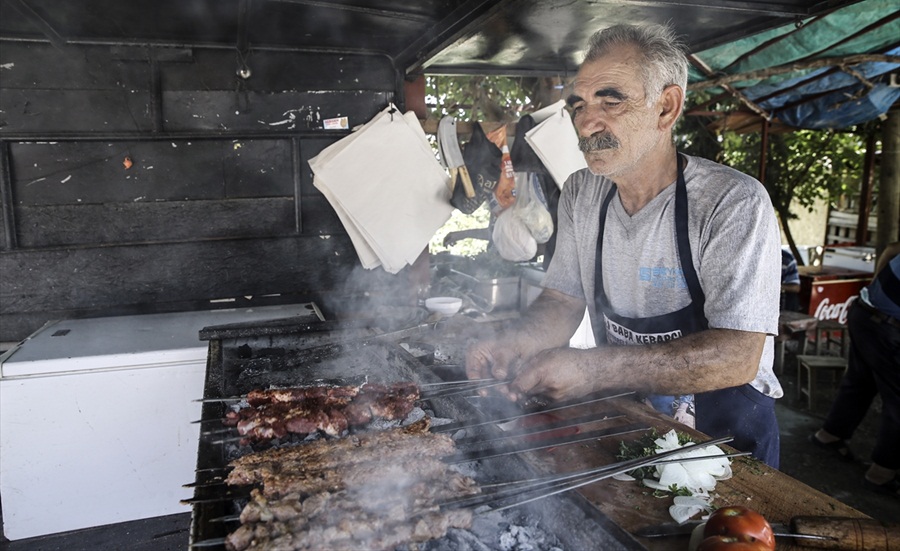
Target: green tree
[
  {"x": 482, "y": 98},
  {"x": 802, "y": 166}
]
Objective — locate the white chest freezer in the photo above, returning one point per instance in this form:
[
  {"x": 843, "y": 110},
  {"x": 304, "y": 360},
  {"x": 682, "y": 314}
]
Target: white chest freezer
[
  {"x": 95, "y": 417},
  {"x": 852, "y": 258}
]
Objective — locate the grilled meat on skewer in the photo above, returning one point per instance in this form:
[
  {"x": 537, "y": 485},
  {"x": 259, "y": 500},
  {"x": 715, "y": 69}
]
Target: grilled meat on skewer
[
  {"x": 314, "y": 457},
  {"x": 371, "y": 491},
  {"x": 341, "y": 522},
  {"x": 332, "y": 395},
  {"x": 245, "y": 468},
  {"x": 274, "y": 413}
]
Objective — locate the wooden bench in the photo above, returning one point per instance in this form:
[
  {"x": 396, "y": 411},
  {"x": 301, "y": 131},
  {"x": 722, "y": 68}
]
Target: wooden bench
[
  {"x": 812, "y": 365},
  {"x": 828, "y": 332},
  {"x": 792, "y": 326}
]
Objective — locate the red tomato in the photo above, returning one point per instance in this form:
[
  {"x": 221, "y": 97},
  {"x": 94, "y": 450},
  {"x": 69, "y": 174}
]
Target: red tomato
[
  {"x": 732, "y": 543},
  {"x": 740, "y": 521}
]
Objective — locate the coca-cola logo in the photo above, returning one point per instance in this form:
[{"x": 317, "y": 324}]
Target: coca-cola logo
[{"x": 827, "y": 311}]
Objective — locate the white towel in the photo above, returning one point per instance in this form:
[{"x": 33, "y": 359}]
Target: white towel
[
  {"x": 387, "y": 187},
  {"x": 555, "y": 141}
]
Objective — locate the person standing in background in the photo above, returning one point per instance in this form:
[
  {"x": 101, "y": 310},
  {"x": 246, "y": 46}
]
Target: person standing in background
[
  {"x": 790, "y": 282},
  {"x": 873, "y": 368}
]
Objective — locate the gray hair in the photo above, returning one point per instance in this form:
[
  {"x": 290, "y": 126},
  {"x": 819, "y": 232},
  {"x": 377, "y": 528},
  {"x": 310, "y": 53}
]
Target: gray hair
[{"x": 664, "y": 54}]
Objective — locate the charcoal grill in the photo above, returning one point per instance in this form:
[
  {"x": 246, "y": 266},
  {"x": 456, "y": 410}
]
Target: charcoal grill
[{"x": 285, "y": 353}]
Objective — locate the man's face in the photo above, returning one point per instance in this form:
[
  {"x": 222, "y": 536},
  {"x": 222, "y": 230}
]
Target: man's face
[{"x": 615, "y": 126}]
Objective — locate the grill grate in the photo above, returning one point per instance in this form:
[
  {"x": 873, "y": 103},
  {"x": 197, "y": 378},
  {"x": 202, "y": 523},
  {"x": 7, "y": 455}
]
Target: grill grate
[{"x": 292, "y": 356}]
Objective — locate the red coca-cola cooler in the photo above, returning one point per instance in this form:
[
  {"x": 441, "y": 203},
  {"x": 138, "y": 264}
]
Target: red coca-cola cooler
[{"x": 826, "y": 292}]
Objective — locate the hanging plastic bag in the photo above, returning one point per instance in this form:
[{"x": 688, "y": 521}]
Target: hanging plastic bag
[
  {"x": 512, "y": 238},
  {"x": 505, "y": 193},
  {"x": 531, "y": 209}
]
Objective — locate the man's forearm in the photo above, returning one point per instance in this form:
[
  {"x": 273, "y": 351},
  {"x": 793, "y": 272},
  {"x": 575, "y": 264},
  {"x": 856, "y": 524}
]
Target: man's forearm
[
  {"x": 708, "y": 360},
  {"x": 549, "y": 322}
]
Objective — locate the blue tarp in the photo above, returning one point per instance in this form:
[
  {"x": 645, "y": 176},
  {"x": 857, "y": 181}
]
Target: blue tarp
[
  {"x": 821, "y": 98},
  {"x": 849, "y": 102}
]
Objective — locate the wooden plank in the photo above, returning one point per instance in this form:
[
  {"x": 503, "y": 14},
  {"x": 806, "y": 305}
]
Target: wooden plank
[
  {"x": 7, "y": 216},
  {"x": 62, "y": 111},
  {"x": 215, "y": 69},
  {"x": 56, "y": 173},
  {"x": 319, "y": 218},
  {"x": 107, "y": 276},
  {"x": 287, "y": 111},
  {"x": 309, "y": 148},
  {"x": 33, "y": 66},
  {"x": 120, "y": 223},
  {"x": 47, "y": 90}
]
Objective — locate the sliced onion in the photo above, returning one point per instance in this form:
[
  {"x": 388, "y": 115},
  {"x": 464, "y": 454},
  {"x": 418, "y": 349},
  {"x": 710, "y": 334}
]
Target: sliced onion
[{"x": 685, "y": 507}]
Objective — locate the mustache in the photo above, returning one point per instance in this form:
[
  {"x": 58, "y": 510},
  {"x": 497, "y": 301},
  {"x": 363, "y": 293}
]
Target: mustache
[{"x": 603, "y": 140}]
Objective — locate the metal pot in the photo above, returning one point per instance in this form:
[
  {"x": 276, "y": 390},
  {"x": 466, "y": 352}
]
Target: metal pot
[{"x": 501, "y": 293}]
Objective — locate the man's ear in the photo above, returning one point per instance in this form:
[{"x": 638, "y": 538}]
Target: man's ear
[{"x": 670, "y": 104}]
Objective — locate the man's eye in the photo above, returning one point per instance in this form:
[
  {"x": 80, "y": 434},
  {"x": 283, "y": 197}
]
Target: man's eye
[{"x": 577, "y": 109}]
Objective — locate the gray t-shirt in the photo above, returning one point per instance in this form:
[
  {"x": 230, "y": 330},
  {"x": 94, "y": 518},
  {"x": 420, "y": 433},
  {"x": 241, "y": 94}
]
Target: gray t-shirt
[{"x": 735, "y": 243}]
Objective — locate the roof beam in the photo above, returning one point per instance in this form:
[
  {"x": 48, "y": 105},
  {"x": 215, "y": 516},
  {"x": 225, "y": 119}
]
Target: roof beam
[
  {"x": 700, "y": 64},
  {"x": 462, "y": 21},
  {"x": 389, "y": 14},
  {"x": 778, "y": 9},
  {"x": 46, "y": 28}
]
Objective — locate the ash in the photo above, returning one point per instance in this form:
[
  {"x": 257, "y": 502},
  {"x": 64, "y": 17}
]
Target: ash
[{"x": 496, "y": 531}]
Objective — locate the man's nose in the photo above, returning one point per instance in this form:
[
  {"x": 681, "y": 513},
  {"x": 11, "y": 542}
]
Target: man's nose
[{"x": 590, "y": 121}]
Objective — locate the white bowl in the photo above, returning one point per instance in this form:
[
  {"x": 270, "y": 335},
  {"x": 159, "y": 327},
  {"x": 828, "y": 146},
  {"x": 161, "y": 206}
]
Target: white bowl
[{"x": 443, "y": 305}]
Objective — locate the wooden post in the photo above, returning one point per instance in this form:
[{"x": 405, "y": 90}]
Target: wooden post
[
  {"x": 763, "y": 152},
  {"x": 414, "y": 91},
  {"x": 865, "y": 192},
  {"x": 889, "y": 185}
]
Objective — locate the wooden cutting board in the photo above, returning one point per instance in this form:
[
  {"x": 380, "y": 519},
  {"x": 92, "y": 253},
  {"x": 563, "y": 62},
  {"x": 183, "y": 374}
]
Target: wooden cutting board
[{"x": 632, "y": 506}]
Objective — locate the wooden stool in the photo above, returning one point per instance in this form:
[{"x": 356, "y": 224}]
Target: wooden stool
[{"x": 812, "y": 365}]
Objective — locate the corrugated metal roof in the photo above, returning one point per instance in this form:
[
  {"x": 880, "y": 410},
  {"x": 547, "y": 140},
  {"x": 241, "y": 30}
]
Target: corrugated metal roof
[{"x": 520, "y": 37}]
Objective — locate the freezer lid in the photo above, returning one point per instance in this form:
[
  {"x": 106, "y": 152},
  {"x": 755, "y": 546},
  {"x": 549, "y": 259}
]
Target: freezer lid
[{"x": 127, "y": 342}]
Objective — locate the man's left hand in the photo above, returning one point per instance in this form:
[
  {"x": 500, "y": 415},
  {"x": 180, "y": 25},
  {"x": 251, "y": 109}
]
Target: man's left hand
[{"x": 557, "y": 374}]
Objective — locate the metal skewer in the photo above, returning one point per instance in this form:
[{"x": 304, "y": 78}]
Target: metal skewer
[
  {"x": 467, "y": 425},
  {"x": 556, "y": 484},
  {"x": 212, "y": 542},
  {"x": 616, "y": 469},
  {"x": 461, "y": 389},
  {"x": 539, "y": 429},
  {"x": 565, "y": 481},
  {"x": 460, "y": 382},
  {"x": 490, "y": 453}
]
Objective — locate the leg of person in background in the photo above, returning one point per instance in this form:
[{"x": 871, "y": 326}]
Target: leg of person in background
[{"x": 873, "y": 367}]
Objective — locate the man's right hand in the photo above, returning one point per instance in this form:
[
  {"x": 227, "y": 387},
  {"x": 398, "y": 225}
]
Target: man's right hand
[{"x": 497, "y": 359}]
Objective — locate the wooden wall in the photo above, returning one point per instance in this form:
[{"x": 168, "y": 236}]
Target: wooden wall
[{"x": 218, "y": 202}]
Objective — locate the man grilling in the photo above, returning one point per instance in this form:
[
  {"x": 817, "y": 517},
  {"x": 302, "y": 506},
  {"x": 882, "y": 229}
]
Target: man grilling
[{"x": 673, "y": 254}]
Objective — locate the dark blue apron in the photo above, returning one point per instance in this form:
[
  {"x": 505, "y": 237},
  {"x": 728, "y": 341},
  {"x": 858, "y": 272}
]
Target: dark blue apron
[{"x": 742, "y": 412}]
